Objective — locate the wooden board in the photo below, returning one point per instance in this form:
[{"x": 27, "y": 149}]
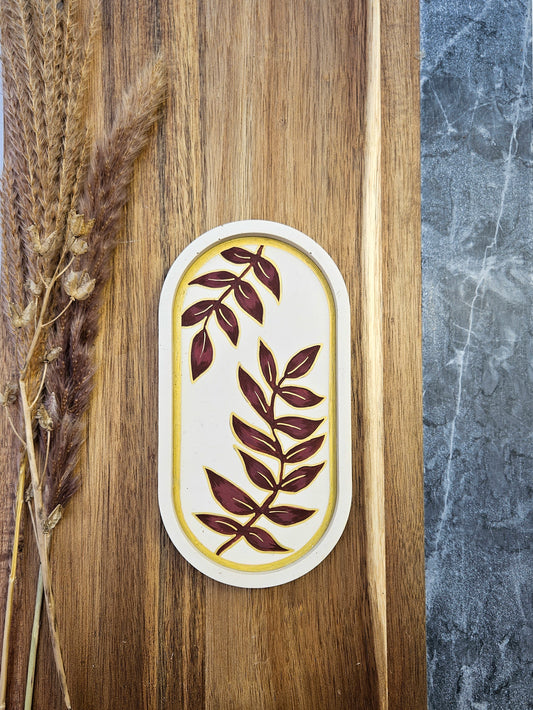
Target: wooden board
[{"x": 265, "y": 119}]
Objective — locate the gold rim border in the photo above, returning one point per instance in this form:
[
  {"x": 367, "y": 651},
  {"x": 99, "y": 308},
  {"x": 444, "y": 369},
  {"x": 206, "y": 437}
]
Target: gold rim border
[{"x": 190, "y": 273}]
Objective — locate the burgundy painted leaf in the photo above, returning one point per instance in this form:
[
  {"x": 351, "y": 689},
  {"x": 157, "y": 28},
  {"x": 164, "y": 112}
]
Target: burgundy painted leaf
[
  {"x": 254, "y": 394},
  {"x": 256, "y": 440},
  {"x": 262, "y": 540},
  {"x": 197, "y": 312},
  {"x": 288, "y": 514},
  {"x": 215, "y": 279},
  {"x": 268, "y": 364},
  {"x": 248, "y": 300},
  {"x": 305, "y": 450},
  {"x": 238, "y": 255},
  {"x": 257, "y": 472},
  {"x": 219, "y": 523},
  {"x": 228, "y": 322},
  {"x": 267, "y": 273},
  {"x": 230, "y": 496},
  {"x": 301, "y": 478},
  {"x": 298, "y": 427},
  {"x": 299, "y": 396},
  {"x": 301, "y": 363},
  {"x": 201, "y": 353}
]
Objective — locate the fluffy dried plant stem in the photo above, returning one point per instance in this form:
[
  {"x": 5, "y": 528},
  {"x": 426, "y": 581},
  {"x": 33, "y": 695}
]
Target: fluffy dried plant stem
[
  {"x": 52, "y": 171},
  {"x": 11, "y": 584}
]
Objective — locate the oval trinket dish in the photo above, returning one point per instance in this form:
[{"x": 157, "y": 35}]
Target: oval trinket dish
[{"x": 254, "y": 404}]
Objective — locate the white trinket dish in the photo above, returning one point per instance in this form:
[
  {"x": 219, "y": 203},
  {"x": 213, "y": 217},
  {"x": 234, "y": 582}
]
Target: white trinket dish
[{"x": 255, "y": 478}]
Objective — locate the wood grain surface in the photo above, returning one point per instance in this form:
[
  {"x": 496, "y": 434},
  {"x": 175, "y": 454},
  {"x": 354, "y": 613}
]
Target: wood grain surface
[{"x": 273, "y": 113}]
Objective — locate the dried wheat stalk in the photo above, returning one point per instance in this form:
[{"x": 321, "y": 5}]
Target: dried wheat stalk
[{"x": 61, "y": 208}]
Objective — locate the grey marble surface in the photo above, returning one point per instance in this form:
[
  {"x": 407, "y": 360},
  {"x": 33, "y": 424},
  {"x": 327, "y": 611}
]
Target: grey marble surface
[{"x": 477, "y": 249}]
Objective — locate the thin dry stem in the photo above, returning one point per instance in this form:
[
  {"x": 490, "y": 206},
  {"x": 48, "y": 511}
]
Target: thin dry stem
[
  {"x": 40, "y": 515},
  {"x": 19, "y": 503},
  {"x": 41, "y": 385},
  {"x": 32, "y": 659},
  {"x": 55, "y": 318},
  {"x": 14, "y": 428}
]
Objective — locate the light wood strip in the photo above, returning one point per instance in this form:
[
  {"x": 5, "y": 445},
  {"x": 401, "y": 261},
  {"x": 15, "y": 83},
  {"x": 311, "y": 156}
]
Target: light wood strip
[
  {"x": 372, "y": 316},
  {"x": 402, "y": 356}
]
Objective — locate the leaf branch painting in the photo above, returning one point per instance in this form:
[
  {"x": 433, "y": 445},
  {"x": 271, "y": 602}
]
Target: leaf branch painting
[
  {"x": 289, "y": 476},
  {"x": 201, "y": 354}
]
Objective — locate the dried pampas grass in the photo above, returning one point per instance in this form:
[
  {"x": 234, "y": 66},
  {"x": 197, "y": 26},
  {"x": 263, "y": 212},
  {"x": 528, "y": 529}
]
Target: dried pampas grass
[{"x": 62, "y": 198}]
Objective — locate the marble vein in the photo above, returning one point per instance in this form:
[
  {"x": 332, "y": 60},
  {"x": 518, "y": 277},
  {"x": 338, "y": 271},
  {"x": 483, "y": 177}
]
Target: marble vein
[{"x": 486, "y": 266}]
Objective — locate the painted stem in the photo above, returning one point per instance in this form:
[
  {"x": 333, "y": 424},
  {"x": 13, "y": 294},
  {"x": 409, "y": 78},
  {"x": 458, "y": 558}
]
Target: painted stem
[
  {"x": 230, "y": 288},
  {"x": 42, "y": 546},
  {"x": 11, "y": 584},
  {"x": 272, "y": 497}
]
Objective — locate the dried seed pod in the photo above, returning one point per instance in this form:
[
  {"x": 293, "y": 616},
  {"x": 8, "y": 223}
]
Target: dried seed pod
[
  {"x": 77, "y": 226},
  {"x": 53, "y": 354},
  {"x": 22, "y": 318},
  {"x": 53, "y": 519},
  {"x": 35, "y": 239},
  {"x": 78, "y": 285},
  {"x": 35, "y": 289},
  {"x": 44, "y": 419},
  {"x": 46, "y": 246},
  {"x": 51, "y": 405},
  {"x": 9, "y": 394},
  {"x": 78, "y": 247}
]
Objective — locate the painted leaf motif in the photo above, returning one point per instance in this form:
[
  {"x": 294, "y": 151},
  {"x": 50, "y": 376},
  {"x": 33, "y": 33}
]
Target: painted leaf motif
[
  {"x": 247, "y": 298},
  {"x": 305, "y": 450},
  {"x": 301, "y": 363},
  {"x": 267, "y": 273},
  {"x": 268, "y": 364},
  {"x": 255, "y": 439},
  {"x": 215, "y": 279},
  {"x": 299, "y": 396},
  {"x": 219, "y": 523},
  {"x": 230, "y": 496},
  {"x": 298, "y": 427},
  {"x": 201, "y": 353},
  {"x": 262, "y": 540},
  {"x": 257, "y": 472},
  {"x": 300, "y": 478},
  {"x": 288, "y": 514},
  {"x": 197, "y": 312},
  {"x": 237, "y": 255},
  {"x": 228, "y": 322},
  {"x": 254, "y": 394}
]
